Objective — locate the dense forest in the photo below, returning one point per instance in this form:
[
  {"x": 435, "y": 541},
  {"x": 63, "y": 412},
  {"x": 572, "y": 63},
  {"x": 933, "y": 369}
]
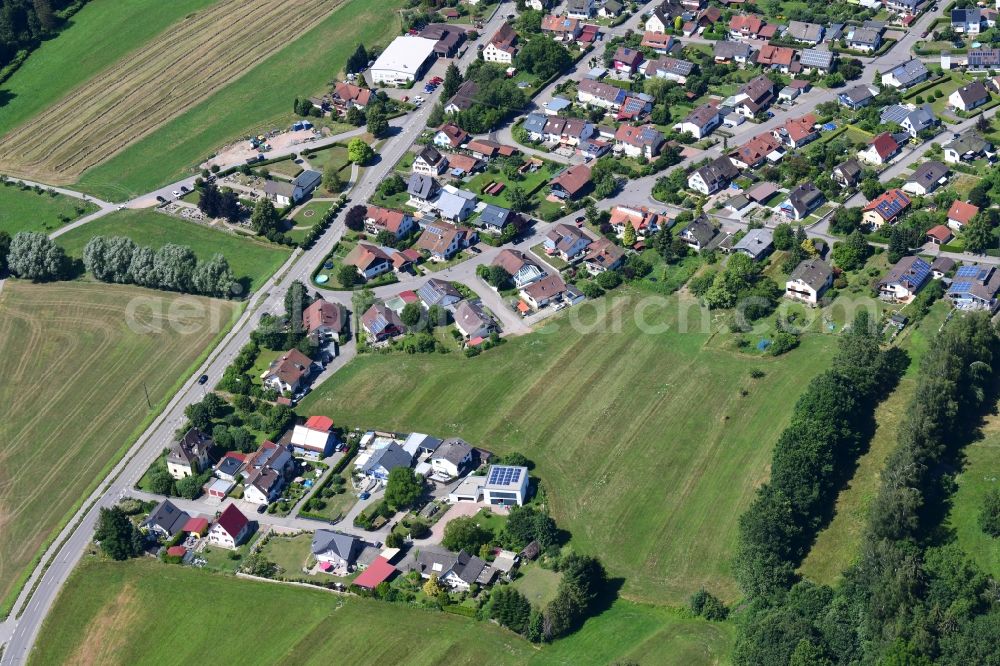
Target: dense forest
[{"x": 25, "y": 23}]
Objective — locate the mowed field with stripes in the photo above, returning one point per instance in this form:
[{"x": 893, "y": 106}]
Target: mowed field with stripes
[
  {"x": 154, "y": 84},
  {"x": 72, "y": 396}
]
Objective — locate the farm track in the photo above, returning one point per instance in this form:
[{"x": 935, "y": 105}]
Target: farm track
[{"x": 152, "y": 86}]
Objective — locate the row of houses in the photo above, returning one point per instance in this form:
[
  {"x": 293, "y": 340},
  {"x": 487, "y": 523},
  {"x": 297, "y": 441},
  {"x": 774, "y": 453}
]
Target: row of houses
[{"x": 229, "y": 529}]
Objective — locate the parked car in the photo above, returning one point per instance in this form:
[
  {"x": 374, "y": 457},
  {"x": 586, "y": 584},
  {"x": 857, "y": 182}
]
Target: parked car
[
  {"x": 262, "y": 508},
  {"x": 160, "y": 199},
  {"x": 176, "y": 193},
  {"x": 365, "y": 495},
  {"x": 203, "y": 379}
]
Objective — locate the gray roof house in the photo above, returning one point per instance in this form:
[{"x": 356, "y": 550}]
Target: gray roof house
[
  {"x": 493, "y": 218},
  {"x": 757, "y": 244},
  {"x": 966, "y": 147},
  {"x": 926, "y": 178},
  {"x": 809, "y": 280},
  {"x": 456, "y": 570},
  {"x": 816, "y": 59},
  {"x": 913, "y": 120},
  {"x": 726, "y": 50},
  {"x": 384, "y": 460},
  {"x": 864, "y": 39},
  {"x": 534, "y": 124},
  {"x": 803, "y": 200},
  {"x": 438, "y": 292},
  {"x": 810, "y": 33},
  {"x": 699, "y": 233},
  {"x": 472, "y": 321},
  {"x": 908, "y": 74},
  {"x": 166, "y": 520},
  {"x": 336, "y": 548},
  {"x": 847, "y": 174},
  {"x": 451, "y": 456},
  {"x": 856, "y": 97},
  {"x": 421, "y": 187}
]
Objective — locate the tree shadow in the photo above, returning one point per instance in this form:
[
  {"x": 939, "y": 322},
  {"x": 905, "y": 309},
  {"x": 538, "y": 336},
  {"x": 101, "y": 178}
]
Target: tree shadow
[{"x": 6, "y": 96}]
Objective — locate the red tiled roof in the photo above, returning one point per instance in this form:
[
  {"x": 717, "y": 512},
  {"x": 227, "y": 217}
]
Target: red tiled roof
[
  {"x": 232, "y": 521},
  {"x": 378, "y": 571},
  {"x": 884, "y": 145},
  {"x": 940, "y": 233},
  {"x": 177, "y": 551},
  {"x": 962, "y": 212},
  {"x": 197, "y": 525},
  {"x": 318, "y": 422}
]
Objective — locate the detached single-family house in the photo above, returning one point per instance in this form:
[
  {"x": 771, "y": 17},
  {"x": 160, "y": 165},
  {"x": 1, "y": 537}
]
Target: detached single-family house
[
  {"x": 522, "y": 270},
  {"x": 380, "y": 323},
  {"x": 643, "y": 221},
  {"x": 816, "y": 60},
  {"x": 726, "y": 51},
  {"x": 443, "y": 240},
  {"x": 549, "y": 289},
  {"x": 450, "y": 135},
  {"x": 611, "y": 9},
  {"x": 701, "y": 121},
  {"x": 230, "y": 529},
  {"x": 458, "y": 571},
  {"x": 166, "y": 520},
  {"x": 756, "y": 244},
  {"x": 970, "y": 96},
  {"x": 503, "y": 46},
  {"x": 626, "y": 60},
  {"x": 809, "y": 281},
  {"x": 714, "y": 176},
  {"x": 493, "y": 219},
  {"x": 797, "y": 132},
  {"x": 288, "y": 373},
  {"x": 603, "y": 255},
  {"x": 754, "y": 96},
  {"x": 566, "y": 241},
  {"x": 967, "y": 147},
  {"x": 285, "y": 193},
  {"x": 968, "y": 21},
  {"x": 754, "y": 152},
  {"x": 315, "y": 437},
  {"x": 779, "y": 58},
  {"x": 857, "y": 97},
  {"x": 699, "y": 233},
  {"x": 912, "y": 119},
  {"x": 660, "y": 18},
  {"x": 580, "y": 9},
  {"x": 904, "y": 280},
  {"x": 960, "y": 214},
  {"x": 659, "y": 42},
  {"x": 430, "y": 162},
  {"x": 904, "y": 76},
  {"x": 885, "y": 208},
  {"x": 464, "y": 98},
  {"x": 454, "y": 204},
  {"x": 189, "y": 456},
  {"x": 926, "y": 178},
  {"x": 865, "y": 40},
  {"x": 645, "y": 141},
  {"x": 383, "y": 461},
  {"x": 422, "y": 189},
  {"x": 472, "y": 321},
  {"x": 346, "y": 95},
  {"x": 975, "y": 288},
  {"x": 451, "y": 456},
  {"x": 267, "y": 470},
  {"x": 560, "y": 28},
  {"x": 438, "y": 292},
  {"x": 671, "y": 69},
  {"x": 396, "y": 222},
  {"x": 883, "y": 148},
  {"x": 749, "y": 26},
  {"x": 506, "y": 485},
  {"x": 802, "y": 201},
  {"x": 324, "y": 321},
  {"x": 847, "y": 174},
  {"x": 338, "y": 550},
  {"x": 572, "y": 182},
  {"x": 807, "y": 33},
  {"x": 370, "y": 260}
]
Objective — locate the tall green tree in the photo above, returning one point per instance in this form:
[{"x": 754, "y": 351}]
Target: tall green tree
[
  {"x": 403, "y": 489},
  {"x": 118, "y": 537},
  {"x": 978, "y": 235},
  {"x": 452, "y": 81}
]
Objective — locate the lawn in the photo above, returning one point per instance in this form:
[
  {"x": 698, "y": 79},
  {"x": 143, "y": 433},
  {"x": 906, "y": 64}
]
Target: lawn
[
  {"x": 336, "y": 154},
  {"x": 75, "y": 367},
  {"x": 248, "y": 257},
  {"x": 27, "y": 210},
  {"x": 183, "y": 614},
  {"x": 260, "y": 99},
  {"x": 837, "y": 545},
  {"x": 158, "y": 82},
  {"x": 306, "y": 217},
  {"x": 287, "y": 168},
  {"x": 532, "y": 182},
  {"x": 101, "y": 33},
  {"x": 980, "y": 473},
  {"x": 538, "y": 584},
  {"x": 643, "y": 434},
  {"x": 288, "y": 552}
]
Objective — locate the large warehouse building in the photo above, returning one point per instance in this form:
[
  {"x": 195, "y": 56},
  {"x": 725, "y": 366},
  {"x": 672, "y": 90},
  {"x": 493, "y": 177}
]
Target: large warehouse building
[{"x": 404, "y": 60}]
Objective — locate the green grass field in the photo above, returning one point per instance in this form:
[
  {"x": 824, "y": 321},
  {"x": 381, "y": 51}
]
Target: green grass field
[
  {"x": 27, "y": 210},
  {"x": 261, "y": 99},
  {"x": 72, "y": 397},
  {"x": 248, "y": 257},
  {"x": 101, "y": 33},
  {"x": 836, "y": 547},
  {"x": 537, "y": 584},
  {"x": 646, "y": 438},
  {"x": 183, "y": 614},
  {"x": 980, "y": 473}
]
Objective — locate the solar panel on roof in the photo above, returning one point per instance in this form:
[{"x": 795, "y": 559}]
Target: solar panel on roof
[
  {"x": 960, "y": 287},
  {"x": 967, "y": 272}
]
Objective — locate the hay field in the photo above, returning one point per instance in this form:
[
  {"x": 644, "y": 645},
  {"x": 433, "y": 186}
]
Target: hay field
[
  {"x": 151, "y": 86},
  {"x": 72, "y": 397}
]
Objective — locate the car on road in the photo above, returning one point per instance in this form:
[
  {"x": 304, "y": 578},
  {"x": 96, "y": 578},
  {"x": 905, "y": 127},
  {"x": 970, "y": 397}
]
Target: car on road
[
  {"x": 365, "y": 495},
  {"x": 122, "y": 206},
  {"x": 184, "y": 188},
  {"x": 160, "y": 199},
  {"x": 176, "y": 193},
  {"x": 580, "y": 219},
  {"x": 203, "y": 379}
]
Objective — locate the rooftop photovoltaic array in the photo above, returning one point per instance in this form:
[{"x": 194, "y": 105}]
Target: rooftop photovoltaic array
[{"x": 503, "y": 476}]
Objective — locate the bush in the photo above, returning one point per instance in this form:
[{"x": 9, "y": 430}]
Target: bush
[{"x": 989, "y": 515}]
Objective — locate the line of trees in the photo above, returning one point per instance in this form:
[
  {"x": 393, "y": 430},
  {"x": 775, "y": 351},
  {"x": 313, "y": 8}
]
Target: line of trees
[
  {"x": 173, "y": 267},
  {"x": 913, "y": 596},
  {"x": 34, "y": 256},
  {"x": 829, "y": 425}
]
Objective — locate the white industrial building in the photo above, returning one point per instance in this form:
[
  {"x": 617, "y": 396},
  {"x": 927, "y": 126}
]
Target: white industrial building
[{"x": 404, "y": 60}]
